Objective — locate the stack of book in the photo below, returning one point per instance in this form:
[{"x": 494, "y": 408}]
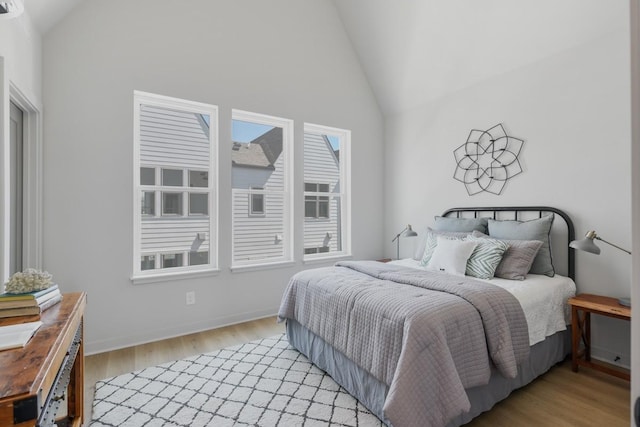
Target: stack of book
[{"x": 29, "y": 304}]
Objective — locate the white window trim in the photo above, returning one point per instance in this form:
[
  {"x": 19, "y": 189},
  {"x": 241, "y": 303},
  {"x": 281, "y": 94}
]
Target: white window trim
[
  {"x": 261, "y": 266},
  {"x": 319, "y": 258},
  {"x": 287, "y": 152},
  {"x": 149, "y": 276},
  {"x": 345, "y": 191},
  {"x": 173, "y": 275}
]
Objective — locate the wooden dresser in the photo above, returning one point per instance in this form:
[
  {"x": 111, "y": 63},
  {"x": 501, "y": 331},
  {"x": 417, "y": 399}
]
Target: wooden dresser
[{"x": 36, "y": 379}]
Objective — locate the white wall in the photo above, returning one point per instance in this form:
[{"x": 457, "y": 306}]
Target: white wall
[
  {"x": 284, "y": 58},
  {"x": 572, "y": 110},
  {"x": 20, "y": 66},
  {"x": 20, "y": 46}
]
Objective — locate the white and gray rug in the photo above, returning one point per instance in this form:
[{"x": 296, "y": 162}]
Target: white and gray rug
[{"x": 261, "y": 383}]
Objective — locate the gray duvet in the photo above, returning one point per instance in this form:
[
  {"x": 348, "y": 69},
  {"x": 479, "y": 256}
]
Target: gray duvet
[{"x": 427, "y": 335}]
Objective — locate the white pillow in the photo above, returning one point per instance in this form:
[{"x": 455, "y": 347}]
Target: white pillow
[{"x": 450, "y": 256}]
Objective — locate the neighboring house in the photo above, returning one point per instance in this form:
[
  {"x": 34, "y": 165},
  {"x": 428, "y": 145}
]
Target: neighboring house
[
  {"x": 322, "y": 214},
  {"x": 258, "y": 225},
  {"x": 175, "y": 206},
  {"x": 257, "y": 169}
]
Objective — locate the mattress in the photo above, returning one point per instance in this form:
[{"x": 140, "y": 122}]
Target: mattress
[{"x": 543, "y": 300}]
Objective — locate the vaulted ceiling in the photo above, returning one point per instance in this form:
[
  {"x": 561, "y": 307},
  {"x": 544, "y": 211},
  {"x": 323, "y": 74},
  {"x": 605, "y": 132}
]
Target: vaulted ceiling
[
  {"x": 415, "y": 51},
  {"x": 46, "y": 13}
]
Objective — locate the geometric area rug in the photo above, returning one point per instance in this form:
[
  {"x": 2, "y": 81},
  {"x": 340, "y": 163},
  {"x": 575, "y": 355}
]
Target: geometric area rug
[{"x": 262, "y": 383}]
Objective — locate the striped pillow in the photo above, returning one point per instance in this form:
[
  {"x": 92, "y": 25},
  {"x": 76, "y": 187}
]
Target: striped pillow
[
  {"x": 485, "y": 257},
  {"x": 431, "y": 241}
]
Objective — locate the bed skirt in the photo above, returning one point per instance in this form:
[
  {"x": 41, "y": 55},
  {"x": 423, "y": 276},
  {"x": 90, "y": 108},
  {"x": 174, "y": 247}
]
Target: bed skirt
[{"x": 371, "y": 392}]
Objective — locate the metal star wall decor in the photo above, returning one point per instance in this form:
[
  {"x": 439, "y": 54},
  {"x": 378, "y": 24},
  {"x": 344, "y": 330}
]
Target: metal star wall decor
[{"x": 487, "y": 160}]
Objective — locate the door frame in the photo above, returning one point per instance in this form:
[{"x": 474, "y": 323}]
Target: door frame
[
  {"x": 33, "y": 170},
  {"x": 635, "y": 204}
]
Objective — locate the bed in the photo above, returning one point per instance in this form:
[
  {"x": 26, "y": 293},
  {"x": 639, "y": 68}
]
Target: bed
[{"x": 420, "y": 343}]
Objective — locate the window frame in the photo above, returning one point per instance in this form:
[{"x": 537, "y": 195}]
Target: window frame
[
  {"x": 344, "y": 162},
  {"x": 160, "y": 274},
  {"x": 287, "y": 151},
  {"x": 33, "y": 181}
]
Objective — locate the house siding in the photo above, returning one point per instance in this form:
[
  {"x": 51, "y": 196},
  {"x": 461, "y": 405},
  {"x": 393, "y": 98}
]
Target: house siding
[
  {"x": 179, "y": 140},
  {"x": 170, "y": 138},
  {"x": 321, "y": 166},
  {"x": 255, "y": 236}
]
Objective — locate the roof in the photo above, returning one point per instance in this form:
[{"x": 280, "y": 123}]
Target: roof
[{"x": 262, "y": 152}]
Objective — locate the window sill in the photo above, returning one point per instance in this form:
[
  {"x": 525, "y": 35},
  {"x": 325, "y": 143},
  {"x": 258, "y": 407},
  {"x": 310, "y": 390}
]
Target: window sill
[
  {"x": 165, "y": 277},
  {"x": 263, "y": 266},
  {"x": 332, "y": 258}
]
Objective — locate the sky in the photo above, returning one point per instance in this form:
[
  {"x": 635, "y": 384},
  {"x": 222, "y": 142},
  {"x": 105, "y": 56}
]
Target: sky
[{"x": 247, "y": 131}]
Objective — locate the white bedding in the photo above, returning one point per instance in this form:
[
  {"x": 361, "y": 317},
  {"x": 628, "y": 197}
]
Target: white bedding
[{"x": 543, "y": 300}]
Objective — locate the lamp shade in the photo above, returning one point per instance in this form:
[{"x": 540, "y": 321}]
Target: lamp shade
[
  {"x": 408, "y": 232},
  {"x": 587, "y": 244}
]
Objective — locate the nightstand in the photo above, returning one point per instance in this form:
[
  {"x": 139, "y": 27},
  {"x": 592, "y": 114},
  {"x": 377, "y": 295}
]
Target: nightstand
[{"x": 582, "y": 306}]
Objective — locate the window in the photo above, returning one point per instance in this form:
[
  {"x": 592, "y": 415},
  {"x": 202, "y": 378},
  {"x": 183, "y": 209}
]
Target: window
[
  {"x": 148, "y": 262},
  {"x": 261, "y": 177},
  {"x": 256, "y": 201},
  {"x": 198, "y": 178},
  {"x": 198, "y": 258},
  {"x": 171, "y": 203},
  {"x": 198, "y": 204},
  {"x": 327, "y": 197},
  {"x": 171, "y": 177},
  {"x": 171, "y": 260},
  {"x": 321, "y": 249},
  {"x": 175, "y": 150},
  {"x": 148, "y": 203},
  {"x": 316, "y": 205},
  {"x": 147, "y": 176}
]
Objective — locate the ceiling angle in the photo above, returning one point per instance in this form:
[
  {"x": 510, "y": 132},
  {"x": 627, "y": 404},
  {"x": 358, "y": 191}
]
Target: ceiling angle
[{"x": 11, "y": 8}]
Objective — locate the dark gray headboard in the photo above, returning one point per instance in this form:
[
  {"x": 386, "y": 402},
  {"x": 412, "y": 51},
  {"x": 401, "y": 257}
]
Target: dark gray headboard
[{"x": 523, "y": 213}]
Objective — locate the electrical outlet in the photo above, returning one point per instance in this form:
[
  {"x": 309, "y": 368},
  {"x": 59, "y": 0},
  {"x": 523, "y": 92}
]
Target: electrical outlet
[{"x": 191, "y": 298}]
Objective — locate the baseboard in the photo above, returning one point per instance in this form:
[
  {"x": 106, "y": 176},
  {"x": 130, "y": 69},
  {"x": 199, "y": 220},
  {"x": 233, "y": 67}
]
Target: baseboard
[
  {"x": 604, "y": 355},
  {"x": 102, "y": 346}
]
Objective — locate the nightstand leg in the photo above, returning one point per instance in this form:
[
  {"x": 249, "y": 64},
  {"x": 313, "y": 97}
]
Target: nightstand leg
[
  {"x": 587, "y": 337},
  {"x": 575, "y": 338}
]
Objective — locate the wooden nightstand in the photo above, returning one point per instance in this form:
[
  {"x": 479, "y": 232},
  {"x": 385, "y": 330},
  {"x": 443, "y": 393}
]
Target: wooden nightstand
[{"x": 582, "y": 306}]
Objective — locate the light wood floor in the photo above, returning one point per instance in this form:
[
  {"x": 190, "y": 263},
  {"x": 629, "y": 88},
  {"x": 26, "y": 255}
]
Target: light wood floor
[{"x": 558, "y": 398}]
